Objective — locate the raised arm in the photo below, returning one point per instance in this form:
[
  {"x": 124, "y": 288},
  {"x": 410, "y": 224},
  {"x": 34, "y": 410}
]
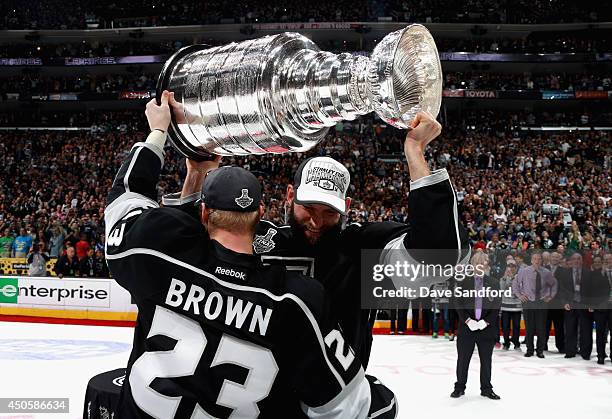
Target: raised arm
[
  {"x": 423, "y": 130},
  {"x": 433, "y": 216},
  {"x": 432, "y": 203},
  {"x": 194, "y": 180},
  {"x": 196, "y": 172},
  {"x": 135, "y": 186}
]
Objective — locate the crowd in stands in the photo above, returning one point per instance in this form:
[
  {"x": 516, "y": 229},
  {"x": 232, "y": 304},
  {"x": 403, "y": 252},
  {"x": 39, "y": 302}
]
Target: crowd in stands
[
  {"x": 96, "y": 120},
  {"x": 527, "y": 81},
  {"x": 94, "y": 48},
  {"x": 31, "y": 82},
  {"x": 56, "y": 14},
  {"x": 567, "y": 43},
  {"x": 35, "y": 83},
  {"x": 53, "y": 184},
  {"x": 127, "y": 120}
]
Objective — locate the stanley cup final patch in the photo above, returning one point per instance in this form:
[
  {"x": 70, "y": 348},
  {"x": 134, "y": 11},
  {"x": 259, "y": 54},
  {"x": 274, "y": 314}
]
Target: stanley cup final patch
[
  {"x": 263, "y": 244},
  {"x": 244, "y": 200}
]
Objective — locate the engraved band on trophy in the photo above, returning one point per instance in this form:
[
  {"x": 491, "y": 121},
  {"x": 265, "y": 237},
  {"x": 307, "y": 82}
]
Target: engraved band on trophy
[{"x": 281, "y": 93}]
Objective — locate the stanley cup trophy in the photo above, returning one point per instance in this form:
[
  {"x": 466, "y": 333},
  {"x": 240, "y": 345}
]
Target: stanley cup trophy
[{"x": 281, "y": 93}]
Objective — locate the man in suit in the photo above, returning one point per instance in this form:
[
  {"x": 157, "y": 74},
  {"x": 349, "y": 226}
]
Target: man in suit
[
  {"x": 573, "y": 286},
  {"x": 602, "y": 283},
  {"x": 477, "y": 327},
  {"x": 555, "y": 312},
  {"x": 535, "y": 286}
]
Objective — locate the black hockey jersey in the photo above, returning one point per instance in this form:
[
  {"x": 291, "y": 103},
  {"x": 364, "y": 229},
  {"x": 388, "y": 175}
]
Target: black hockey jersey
[
  {"x": 218, "y": 333},
  {"x": 336, "y": 261}
]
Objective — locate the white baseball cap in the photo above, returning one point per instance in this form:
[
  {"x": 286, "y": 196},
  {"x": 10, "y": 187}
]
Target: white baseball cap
[{"x": 322, "y": 180}]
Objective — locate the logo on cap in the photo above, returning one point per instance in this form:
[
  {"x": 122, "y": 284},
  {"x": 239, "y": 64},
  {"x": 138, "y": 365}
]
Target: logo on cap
[
  {"x": 325, "y": 176},
  {"x": 244, "y": 200},
  {"x": 263, "y": 244}
]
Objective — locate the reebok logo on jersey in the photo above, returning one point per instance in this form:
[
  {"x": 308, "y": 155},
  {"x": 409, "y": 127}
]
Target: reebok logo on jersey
[{"x": 230, "y": 272}]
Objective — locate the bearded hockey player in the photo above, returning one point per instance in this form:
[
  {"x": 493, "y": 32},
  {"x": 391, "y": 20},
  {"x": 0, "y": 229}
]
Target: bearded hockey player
[{"x": 218, "y": 333}]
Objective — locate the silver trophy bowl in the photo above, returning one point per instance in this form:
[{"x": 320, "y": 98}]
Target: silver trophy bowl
[{"x": 281, "y": 93}]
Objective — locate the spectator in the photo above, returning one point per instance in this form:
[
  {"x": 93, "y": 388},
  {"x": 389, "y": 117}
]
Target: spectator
[
  {"x": 37, "y": 260},
  {"x": 82, "y": 247},
  {"x": 510, "y": 309},
  {"x": 421, "y": 305},
  {"x": 100, "y": 267},
  {"x": 535, "y": 286},
  {"x": 554, "y": 313},
  {"x": 440, "y": 308},
  {"x": 22, "y": 244},
  {"x": 398, "y": 318},
  {"x": 70, "y": 239},
  {"x": 68, "y": 264},
  {"x": 87, "y": 264},
  {"x": 6, "y": 243},
  {"x": 481, "y": 243},
  {"x": 578, "y": 321},
  {"x": 603, "y": 313},
  {"x": 56, "y": 242}
]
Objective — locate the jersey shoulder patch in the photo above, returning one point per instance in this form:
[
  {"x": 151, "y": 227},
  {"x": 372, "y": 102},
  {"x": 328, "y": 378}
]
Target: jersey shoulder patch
[{"x": 264, "y": 243}]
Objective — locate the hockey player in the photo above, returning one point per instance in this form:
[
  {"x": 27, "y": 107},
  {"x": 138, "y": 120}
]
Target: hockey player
[
  {"x": 318, "y": 242},
  {"x": 218, "y": 333}
]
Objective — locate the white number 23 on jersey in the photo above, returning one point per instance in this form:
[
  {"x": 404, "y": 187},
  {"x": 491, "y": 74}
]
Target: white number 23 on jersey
[{"x": 183, "y": 361}]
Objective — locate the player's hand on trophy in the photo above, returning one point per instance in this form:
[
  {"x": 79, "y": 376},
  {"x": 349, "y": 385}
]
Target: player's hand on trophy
[
  {"x": 203, "y": 167},
  {"x": 178, "y": 110},
  {"x": 158, "y": 116},
  {"x": 424, "y": 128}
]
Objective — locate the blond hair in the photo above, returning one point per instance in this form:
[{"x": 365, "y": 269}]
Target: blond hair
[{"x": 236, "y": 222}]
